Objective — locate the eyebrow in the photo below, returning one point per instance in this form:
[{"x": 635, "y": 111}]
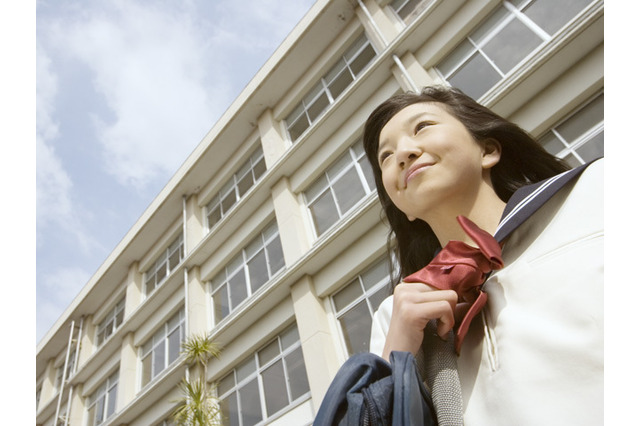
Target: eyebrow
[{"x": 411, "y": 119}]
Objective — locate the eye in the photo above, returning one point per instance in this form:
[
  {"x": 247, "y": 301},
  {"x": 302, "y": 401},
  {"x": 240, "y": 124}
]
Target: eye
[
  {"x": 383, "y": 156},
  {"x": 421, "y": 125}
]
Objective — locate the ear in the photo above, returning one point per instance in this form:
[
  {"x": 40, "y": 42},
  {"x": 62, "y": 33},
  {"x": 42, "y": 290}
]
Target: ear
[{"x": 491, "y": 153}]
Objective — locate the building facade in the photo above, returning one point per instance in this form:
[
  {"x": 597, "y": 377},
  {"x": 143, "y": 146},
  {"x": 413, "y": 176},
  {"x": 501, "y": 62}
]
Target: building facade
[{"x": 269, "y": 238}]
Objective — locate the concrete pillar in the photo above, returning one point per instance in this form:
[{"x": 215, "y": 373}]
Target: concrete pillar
[
  {"x": 197, "y": 303},
  {"x": 291, "y": 223},
  {"x": 194, "y": 225},
  {"x": 127, "y": 384},
  {"x": 318, "y": 345},
  {"x": 76, "y": 412},
  {"x": 134, "y": 290},
  {"x": 415, "y": 71},
  {"x": 380, "y": 29},
  {"x": 48, "y": 385},
  {"x": 87, "y": 340},
  {"x": 274, "y": 142}
]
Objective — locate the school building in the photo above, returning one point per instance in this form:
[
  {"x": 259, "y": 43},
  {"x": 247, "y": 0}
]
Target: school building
[{"x": 269, "y": 237}]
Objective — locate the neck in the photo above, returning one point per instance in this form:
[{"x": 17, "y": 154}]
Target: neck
[{"x": 485, "y": 211}]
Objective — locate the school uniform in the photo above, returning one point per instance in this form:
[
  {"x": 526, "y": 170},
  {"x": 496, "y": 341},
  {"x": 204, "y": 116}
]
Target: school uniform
[{"x": 536, "y": 353}]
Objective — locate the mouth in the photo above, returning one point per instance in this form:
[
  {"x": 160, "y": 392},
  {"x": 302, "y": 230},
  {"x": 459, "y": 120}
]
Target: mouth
[{"x": 414, "y": 170}]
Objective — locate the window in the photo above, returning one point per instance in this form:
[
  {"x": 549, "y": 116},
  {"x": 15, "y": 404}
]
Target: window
[
  {"x": 102, "y": 403},
  {"x": 163, "y": 348},
  {"x": 61, "y": 371},
  {"x": 265, "y": 383},
  {"x": 356, "y": 303},
  {"x": 503, "y": 40},
  {"x": 579, "y": 138},
  {"x": 164, "y": 265},
  {"x": 330, "y": 86},
  {"x": 340, "y": 188},
  {"x": 238, "y": 185},
  {"x": 111, "y": 323},
  {"x": 247, "y": 272},
  {"x": 408, "y": 10},
  {"x": 38, "y": 392}
]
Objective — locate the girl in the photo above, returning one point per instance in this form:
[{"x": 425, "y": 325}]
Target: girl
[{"x": 535, "y": 353}]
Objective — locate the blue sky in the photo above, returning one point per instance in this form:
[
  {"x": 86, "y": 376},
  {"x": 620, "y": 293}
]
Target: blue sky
[{"x": 125, "y": 90}]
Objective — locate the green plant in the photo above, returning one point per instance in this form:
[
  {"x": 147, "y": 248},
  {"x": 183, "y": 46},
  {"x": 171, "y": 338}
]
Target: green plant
[{"x": 197, "y": 406}]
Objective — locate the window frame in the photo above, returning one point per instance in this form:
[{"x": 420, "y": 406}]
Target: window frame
[
  {"x": 321, "y": 87},
  {"x": 255, "y": 163},
  {"x": 257, "y": 373},
  {"x": 239, "y": 264},
  {"x": 164, "y": 332},
  {"x": 103, "y": 393},
  {"x": 163, "y": 261},
  {"x": 355, "y": 156}
]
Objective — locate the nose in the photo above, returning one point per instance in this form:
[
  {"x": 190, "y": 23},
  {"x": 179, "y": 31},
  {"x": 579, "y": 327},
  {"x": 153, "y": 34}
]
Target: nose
[{"x": 407, "y": 152}]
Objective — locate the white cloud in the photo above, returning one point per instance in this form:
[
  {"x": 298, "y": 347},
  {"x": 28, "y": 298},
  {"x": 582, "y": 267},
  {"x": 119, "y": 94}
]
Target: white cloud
[{"x": 149, "y": 66}]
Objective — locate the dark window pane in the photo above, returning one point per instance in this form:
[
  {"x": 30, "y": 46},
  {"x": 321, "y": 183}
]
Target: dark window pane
[
  {"x": 259, "y": 168},
  {"x": 228, "y": 201},
  {"x": 324, "y": 212},
  {"x": 245, "y": 183},
  {"x": 296, "y": 374},
  {"x": 174, "y": 345},
  {"x": 214, "y": 216},
  {"x": 258, "y": 273},
  {"x": 348, "y": 190},
  {"x": 221, "y": 303},
  {"x": 298, "y": 127},
  {"x": 269, "y": 352},
  {"x": 275, "y": 388},
  {"x": 368, "y": 173},
  {"x": 592, "y": 149},
  {"x": 362, "y": 60},
  {"x": 349, "y": 294},
  {"x": 551, "y": 143},
  {"x": 583, "y": 120},
  {"x": 376, "y": 299},
  {"x": 111, "y": 400},
  {"x": 318, "y": 106},
  {"x": 551, "y": 15},
  {"x": 511, "y": 45},
  {"x": 237, "y": 288},
  {"x": 475, "y": 77},
  {"x": 158, "y": 359},
  {"x": 340, "y": 83},
  {"x": 146, "y": 369},
  {"x": 250, "y": 406},
  {"x": 356, "y": 327},
  {"x": 229, "y": 410},
  {"x": 276, "y": 257}
]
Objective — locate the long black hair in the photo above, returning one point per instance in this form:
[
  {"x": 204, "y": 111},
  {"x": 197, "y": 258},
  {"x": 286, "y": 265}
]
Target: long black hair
[{"x": 522, "y": 161}]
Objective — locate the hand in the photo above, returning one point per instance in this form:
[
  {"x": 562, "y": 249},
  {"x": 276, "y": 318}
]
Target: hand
[{"x": 414, "y": 305}]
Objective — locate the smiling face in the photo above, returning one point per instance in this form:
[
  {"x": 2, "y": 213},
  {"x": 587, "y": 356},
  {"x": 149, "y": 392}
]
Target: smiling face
[{"x": 431, "y": 164}]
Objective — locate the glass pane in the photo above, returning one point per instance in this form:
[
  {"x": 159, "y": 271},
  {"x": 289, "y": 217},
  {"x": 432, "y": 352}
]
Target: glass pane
[
  {"x": 376, "y": 299},
  {"x": 375, "y": 274},
  {"x": 347, "y": 295},
  {"x": 228, "y": 201},
  {"x": 238, "y": 288},
  {"x": 341, "y": 164},
  {"x": 551, "y": 143},
  {"x": 348, "y": 190},
  {"x": 146, "y": 369},
  {"x": 111, "y": 400},
  {"x": 317, "y": 107},
  {"x": 583, "y": 120},
  {"x": 214, "y": 216},
  {"x": 174, "y": 345},
  {"x": 158, "y": 359},
  {"x": 161, "y": 273},
  {"x": 174, "y": 260},
  {"x": 91, "y": 414},
  {"x": 246, "y": 369},
  {"x": 275, "y": 388},
  {"x": 475, "y": 77},
  {"x": 355, "y": 47},
  {"x": 276, "y": 257},
  {"x": 119, "y": 318},
  {"x": 340, "y": 83},
  {"x": 259, "y": 168},
  {"x": 324, "y": 212},
  {"x": 296, "y": 374},
  {"x": 229, "y": 410},
  {"x": 245, "y": 183},
  {"x": 289, "y": 337},
  {"x": 356, "y": 327},
  {"x": 335, "y": 70},
  {"x": 298, "y": 127},
  {"x": 258, "y": 273},
  {"x": 317, "y": 187},
  {"x": 100, "y": 410},
  {"x": 511, "y": 45},
  {"x": 368, "y": 173},
  {"x": 220, "y": 304},
  {"x": 360, "y": 63},
  {"x": 250, "y": 406},
  {"x": 271, "y": 351},
  {"x": 456, "y": 58},
  {"x": 592, "y": 149},
  {"x": 551, "y": 15}
]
